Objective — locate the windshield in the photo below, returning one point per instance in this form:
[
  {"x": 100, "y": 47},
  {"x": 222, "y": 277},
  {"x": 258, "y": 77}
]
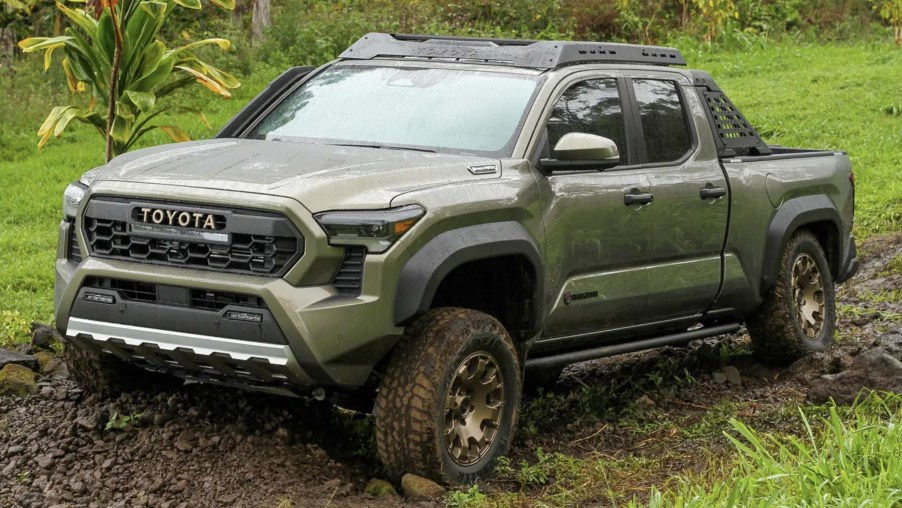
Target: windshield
[{"x": 447, "y": 110}]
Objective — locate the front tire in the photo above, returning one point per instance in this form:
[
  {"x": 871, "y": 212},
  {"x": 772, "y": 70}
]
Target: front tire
[
  {"x": 449, "y": 400},
  {"x": 798, "y": 314}
]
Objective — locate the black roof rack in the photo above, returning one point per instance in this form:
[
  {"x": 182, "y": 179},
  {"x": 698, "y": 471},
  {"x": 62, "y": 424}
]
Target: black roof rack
[{"x": 518, "y": 53}]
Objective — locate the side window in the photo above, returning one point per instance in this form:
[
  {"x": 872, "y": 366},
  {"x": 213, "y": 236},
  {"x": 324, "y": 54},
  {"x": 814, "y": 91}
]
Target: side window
[
  {"x": 592, "y": 107},
  {"x": 664, "y": 124}
]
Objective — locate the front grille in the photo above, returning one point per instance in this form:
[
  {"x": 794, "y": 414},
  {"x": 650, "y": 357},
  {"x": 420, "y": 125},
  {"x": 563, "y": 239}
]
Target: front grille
[
  {"x": 257, "y": 243},
  {"x": 74, "y": 253},
  {"x": 202, "y": 299},
  {"x": 349, "y": 278}
]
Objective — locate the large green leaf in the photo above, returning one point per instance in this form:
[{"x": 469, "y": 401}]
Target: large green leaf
[
  {"x": 223, "y": 78},
  {"x": 60, "y": 117},
  {"x": 80, "y": 18},
  {"x": 99, "y": 63},
  {"x": 126, "y": 111},
  {"x": 190, "y": 4},
  {"x": 147, "y": 82},
  {"x": 46, "y": 129},
  {"x": 32, "y": 44},
  {"x": 208, "y": 82},
  {"x": 153, "y": 53},
  {"x": 140, "y": 31},
  {"x": 106, "y": 36},
  {"x": 144, "y": 101},
  {"x": 122, "y": 129},
  {"x": 223, "y": 44}
]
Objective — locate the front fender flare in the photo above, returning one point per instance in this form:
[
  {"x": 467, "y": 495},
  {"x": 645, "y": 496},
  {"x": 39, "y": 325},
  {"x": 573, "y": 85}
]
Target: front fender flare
[{"x": 425, "y": 270}]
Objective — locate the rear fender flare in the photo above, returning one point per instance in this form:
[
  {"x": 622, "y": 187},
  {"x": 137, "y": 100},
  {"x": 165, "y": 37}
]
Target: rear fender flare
[{"x": 793, "y": 215}]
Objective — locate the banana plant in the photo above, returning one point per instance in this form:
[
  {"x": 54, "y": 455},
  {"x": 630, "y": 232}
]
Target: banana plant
[{"x": 113, "y": 51}]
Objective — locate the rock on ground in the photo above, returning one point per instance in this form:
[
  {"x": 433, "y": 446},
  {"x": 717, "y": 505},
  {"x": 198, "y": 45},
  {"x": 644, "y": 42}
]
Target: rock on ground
[
  {"x": 11, "y": 357},
  {"x": 380, "y": 488},
  {"x": 874, "y": 369},
  {"x": 17, "y": 380},
  {"x": 417, "y": 487}
]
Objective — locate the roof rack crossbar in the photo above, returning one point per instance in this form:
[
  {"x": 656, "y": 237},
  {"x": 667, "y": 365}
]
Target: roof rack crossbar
[{"x": 520, "y": 53}]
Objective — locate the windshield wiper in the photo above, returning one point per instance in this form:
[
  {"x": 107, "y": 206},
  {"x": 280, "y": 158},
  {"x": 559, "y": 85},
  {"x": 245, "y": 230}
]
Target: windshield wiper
[{"x": 384, "y": 147}]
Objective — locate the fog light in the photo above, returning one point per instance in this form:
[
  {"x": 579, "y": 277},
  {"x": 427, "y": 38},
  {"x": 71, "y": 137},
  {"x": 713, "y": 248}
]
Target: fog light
[
  {"x": 99, "y": 298},
  {"x": 248, "y": 317}
]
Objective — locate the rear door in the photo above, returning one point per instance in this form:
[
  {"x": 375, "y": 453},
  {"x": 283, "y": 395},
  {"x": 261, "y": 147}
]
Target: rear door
[{"x": 691, "y": 197}]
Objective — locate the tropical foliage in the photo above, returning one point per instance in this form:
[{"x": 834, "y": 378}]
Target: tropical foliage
[
  {"x": 113, "y": 52},
  {"x": 891, "y": 10}
]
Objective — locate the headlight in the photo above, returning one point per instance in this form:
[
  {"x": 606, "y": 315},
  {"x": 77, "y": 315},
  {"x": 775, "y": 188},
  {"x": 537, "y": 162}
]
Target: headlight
[
  {"x": 73, "y": 195},
  {"x": 76, "y": 191},
  {"x": 377, "y": 230}
]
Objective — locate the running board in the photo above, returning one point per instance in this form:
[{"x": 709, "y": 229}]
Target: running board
[{"x": 629, "y": 347}]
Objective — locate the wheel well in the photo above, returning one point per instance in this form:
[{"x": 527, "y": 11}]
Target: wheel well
[
  {"x": 828, "y": 237},
  {"x": 503, "y": 287}
]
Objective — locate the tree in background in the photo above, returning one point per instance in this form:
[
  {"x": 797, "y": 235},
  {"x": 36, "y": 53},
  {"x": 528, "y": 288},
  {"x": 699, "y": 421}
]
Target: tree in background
[
  {"x": 715, "y": 13},
  {"x": 891, "y": 11},
  {"x": 260, "y": 20},
  {"x": 113, "y": 51}
]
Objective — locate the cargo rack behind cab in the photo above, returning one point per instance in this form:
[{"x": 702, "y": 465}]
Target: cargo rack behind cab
[{"x": 543, "y": 55}]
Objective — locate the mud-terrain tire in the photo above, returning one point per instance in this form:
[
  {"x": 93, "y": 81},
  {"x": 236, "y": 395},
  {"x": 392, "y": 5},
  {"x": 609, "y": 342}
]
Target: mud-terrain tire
[
  {"x": 454, "y": 377},
  {"x": 104, "y": 374},
  {"x": 798, "y": 314}
]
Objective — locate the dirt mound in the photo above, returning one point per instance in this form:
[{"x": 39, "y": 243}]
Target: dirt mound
[{"x": 195, "y": 446}]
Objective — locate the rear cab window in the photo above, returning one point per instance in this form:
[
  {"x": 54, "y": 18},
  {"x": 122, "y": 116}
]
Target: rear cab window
[{"x": 663, "y": 121}]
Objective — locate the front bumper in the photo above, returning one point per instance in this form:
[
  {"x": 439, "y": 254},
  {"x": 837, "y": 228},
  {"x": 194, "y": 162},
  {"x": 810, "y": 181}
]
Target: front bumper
[
  {"x": 326, "y": 338},
  {"x": 330, "y": 339}
]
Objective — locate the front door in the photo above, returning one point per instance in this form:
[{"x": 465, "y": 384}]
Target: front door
[{"x": 598, "y": 237}]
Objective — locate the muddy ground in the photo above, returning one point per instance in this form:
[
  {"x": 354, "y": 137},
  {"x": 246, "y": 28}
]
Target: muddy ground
[{"x": 208, "y": 446}]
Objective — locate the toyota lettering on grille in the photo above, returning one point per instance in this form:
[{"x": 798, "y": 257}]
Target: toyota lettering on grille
[{"x": 178, "y": 218}]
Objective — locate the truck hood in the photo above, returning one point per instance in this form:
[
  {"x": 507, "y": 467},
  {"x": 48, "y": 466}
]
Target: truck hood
[{"x": 322, "y": 177}]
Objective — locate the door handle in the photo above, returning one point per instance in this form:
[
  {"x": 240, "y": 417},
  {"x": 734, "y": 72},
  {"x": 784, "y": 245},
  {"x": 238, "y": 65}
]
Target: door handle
[
  {"x": 711, "y": 192},
  {"x": 634, "y": 197}
]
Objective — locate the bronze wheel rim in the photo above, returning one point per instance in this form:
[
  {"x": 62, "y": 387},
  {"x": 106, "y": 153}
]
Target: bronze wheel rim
[
  {"x": 808, "y": 291},
  {"x": 473, "y": 408}
]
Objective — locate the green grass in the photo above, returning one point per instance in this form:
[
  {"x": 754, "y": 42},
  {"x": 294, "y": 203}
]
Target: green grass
[{"x": 848, "y": 457}]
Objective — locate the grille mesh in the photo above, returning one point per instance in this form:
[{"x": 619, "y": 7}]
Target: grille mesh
[{"x": 246, "y": 253}]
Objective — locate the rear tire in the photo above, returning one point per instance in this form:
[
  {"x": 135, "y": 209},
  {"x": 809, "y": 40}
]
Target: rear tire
[
  {"x": 104, "y": 374},
  {"x": 449, "y": 400},
  {"x": 798, "y": 315}
]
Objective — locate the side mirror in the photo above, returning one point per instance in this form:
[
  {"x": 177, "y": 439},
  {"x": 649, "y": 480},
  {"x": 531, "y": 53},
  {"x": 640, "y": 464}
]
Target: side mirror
[
  {"x": 581, "y": 151},
  {"x": 578, "y": 146}
]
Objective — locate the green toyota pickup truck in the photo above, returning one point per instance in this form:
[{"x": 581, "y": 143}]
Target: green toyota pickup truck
[{"x": 420, "y": 225}]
